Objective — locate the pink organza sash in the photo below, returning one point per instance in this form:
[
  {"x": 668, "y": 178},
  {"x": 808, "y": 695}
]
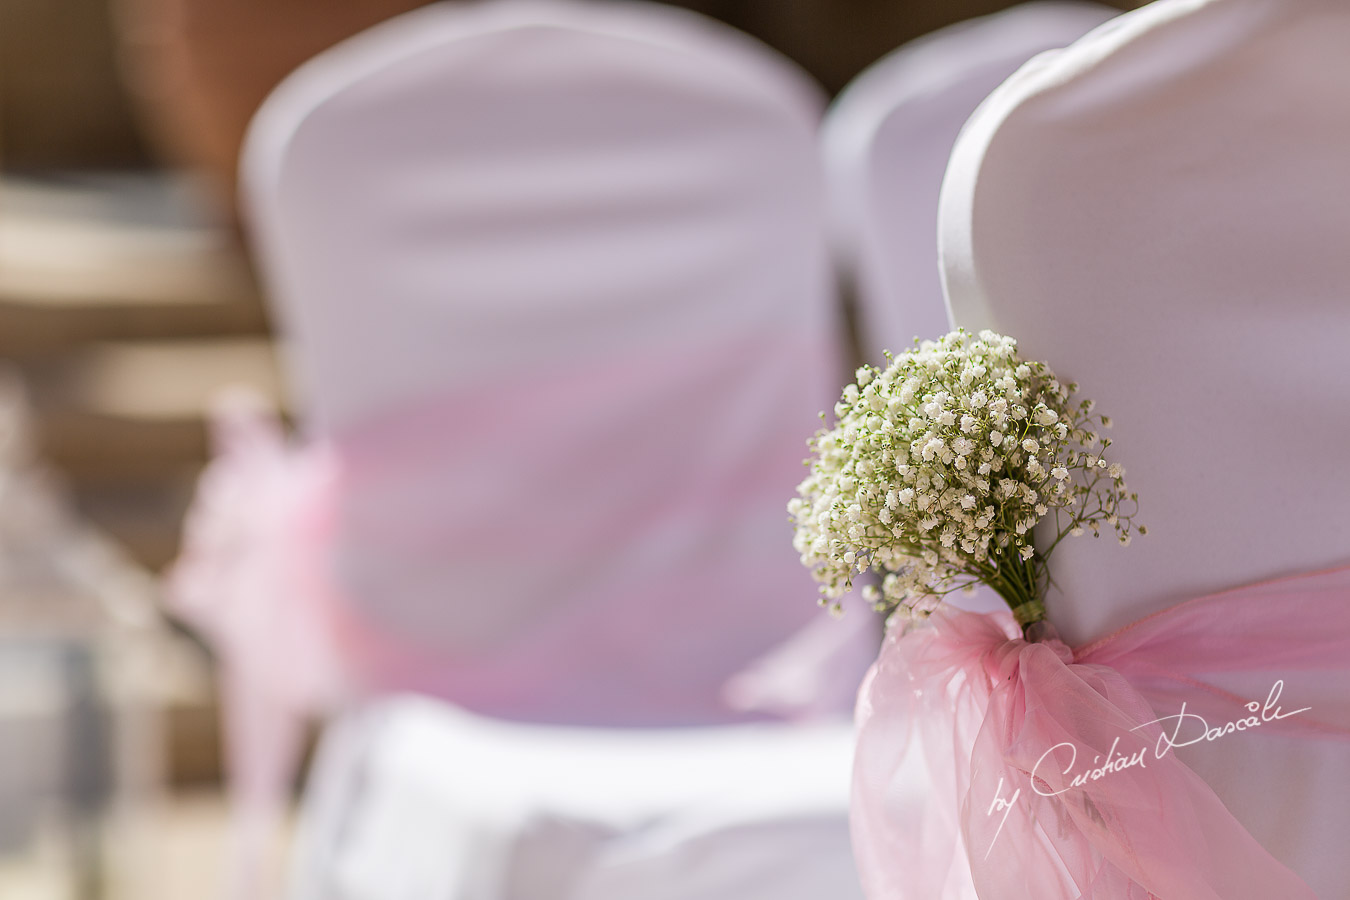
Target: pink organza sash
[{"x": 995, "y": 768}]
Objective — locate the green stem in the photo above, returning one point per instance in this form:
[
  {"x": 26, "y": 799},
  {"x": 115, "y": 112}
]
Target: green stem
[{"x": 1016, "y": 584}]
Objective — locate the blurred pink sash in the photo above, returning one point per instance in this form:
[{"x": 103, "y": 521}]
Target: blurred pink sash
[
  {"x": 259, "y": 519},
  {"x": 1110, "y": 812}
]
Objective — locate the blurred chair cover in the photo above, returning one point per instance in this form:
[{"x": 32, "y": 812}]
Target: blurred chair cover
[
  {"x": 886, "y": 142},
  {"x": 1160, "y": 211},
  {"x": 554, "y": 286},
  {"x": 417, "y": 799}
]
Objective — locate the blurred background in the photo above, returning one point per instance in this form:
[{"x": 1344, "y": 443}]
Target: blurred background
[{"x": 126, "y": 300}]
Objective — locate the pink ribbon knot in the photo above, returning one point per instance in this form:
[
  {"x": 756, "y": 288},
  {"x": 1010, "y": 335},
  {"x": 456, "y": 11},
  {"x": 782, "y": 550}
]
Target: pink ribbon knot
[{"x": 991, "y": 767}]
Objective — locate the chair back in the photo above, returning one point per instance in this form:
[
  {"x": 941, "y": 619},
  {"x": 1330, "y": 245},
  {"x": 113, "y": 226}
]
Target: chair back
[
  {"x": 1160, "y": 212},
  {"x": 553, "y": 283},
  {"x": 886, "y": 141}
]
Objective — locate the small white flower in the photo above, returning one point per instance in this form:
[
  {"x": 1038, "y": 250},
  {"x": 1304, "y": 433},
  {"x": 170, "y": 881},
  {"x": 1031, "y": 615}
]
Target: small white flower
[{"x": 941, "y": 462}]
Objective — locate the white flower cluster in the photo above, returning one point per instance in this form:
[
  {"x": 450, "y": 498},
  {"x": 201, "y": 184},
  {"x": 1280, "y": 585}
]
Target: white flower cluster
[{"x": 939, "y": 467}]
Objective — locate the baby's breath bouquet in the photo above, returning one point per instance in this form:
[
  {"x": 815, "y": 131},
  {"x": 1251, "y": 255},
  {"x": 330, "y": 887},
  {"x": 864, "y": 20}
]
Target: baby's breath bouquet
[{"x": 937, "y": 470}]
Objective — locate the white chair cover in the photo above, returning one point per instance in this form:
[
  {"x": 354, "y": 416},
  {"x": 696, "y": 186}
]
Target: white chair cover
[
  {"x": 554, "y": 286},
  {"x": 553, "y": 280},
  {"x": 1160, "y": 211},
  {"x": 418, "y": 800},
  {"x": 886, "y": 142}
]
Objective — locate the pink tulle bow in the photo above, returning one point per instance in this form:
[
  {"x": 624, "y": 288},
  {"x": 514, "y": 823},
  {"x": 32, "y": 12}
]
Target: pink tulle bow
[
  {"x": 990, "y": 767},
  {"x": 257, "y": 524}
]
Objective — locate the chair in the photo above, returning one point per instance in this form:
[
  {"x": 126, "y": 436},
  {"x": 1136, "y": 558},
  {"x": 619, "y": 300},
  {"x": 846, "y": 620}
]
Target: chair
[
  {"x": 886, "y": 141},
  {"x": 1159, "y": 211},
  {"x": 557, "y": 308}
]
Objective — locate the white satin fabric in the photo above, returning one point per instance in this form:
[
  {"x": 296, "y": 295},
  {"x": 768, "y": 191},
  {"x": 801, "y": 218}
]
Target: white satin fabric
[
  {"x": 418, "y": 800},
  {"x": 1160, "y": 211},
  {"x": 554, "y": 285},
  {"x": 886, "y": 141}
]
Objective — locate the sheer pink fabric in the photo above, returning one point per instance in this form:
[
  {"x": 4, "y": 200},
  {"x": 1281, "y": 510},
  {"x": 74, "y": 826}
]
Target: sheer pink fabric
[
  {"x": 246, "y": 580},
  {"x": 1004, "y": 728}
]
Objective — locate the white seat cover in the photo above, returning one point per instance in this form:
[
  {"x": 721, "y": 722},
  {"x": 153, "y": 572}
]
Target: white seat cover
[
  {"x": 887, "y": 140},
  {"x": 1160, "y": 212},
  {"x": 554, "y": 283},
  {"x": 420, "y": 800}
]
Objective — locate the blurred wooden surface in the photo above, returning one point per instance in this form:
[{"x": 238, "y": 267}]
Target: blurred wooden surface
[
  {"x": 128, "y": 310},
  {"x": 172, "y": 848},
  {"x": 186, "y": 75},
  {"x": 84, "y": 257},
  {"x": 62, "y": 103},
  {"x": 200, "y": 68}
]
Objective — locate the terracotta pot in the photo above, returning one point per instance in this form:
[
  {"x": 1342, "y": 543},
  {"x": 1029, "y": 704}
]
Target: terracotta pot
[{"x": 199, "y": 69}]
